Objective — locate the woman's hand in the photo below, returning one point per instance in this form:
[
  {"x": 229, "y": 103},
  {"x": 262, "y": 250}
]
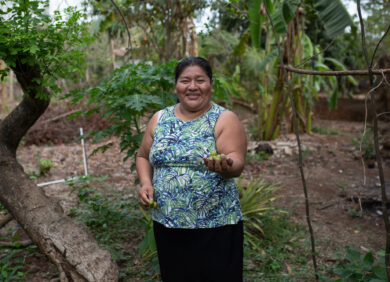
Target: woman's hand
[
  {"x": 144, "y": 168},
  {"x": 145, "y": 194},
  {"x": 221, "y": 165},
  {"x": 230, "y": 142}
]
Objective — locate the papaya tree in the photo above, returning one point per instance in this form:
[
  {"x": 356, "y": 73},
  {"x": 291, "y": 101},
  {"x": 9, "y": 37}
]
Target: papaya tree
[{"x": 39, "y": 49}]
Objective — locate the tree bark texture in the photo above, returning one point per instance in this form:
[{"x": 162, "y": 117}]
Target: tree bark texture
[{"x": 67, "y": 243}]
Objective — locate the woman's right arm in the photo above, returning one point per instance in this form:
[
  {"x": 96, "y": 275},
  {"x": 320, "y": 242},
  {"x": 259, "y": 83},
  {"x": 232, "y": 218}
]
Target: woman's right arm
[{"x": 144, "y": 168}]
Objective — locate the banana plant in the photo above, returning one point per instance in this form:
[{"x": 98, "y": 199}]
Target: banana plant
[
  {"x": 328, "y": 84},
  {"x": 288, "y": 23}
]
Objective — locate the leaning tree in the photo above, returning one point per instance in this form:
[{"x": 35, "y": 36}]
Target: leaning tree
[{"x": 39, "y": 49}]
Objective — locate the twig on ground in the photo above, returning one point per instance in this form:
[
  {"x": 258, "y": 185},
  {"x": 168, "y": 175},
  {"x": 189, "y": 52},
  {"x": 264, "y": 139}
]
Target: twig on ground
[
  {"x": 5, "y": 220},
  {"x": 60, "y": 116},
  {"x": 16, "y": 245}
]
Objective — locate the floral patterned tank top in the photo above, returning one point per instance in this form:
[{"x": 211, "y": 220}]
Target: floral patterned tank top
[{"x": 188, "y": 194}]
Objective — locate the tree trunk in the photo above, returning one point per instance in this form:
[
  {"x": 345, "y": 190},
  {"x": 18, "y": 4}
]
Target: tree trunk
[
  {"x": 11, "y": 96},
  {"x": 3, "y": 86},
  {"x": 194, "y": 51},
  {"x": 112, "y": 49},
  {"x": 67, "y": 243}
]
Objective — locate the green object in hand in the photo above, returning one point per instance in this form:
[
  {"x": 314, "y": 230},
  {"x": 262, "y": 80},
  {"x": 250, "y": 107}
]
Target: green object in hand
[
  {"x": 215, "y": 156},
  {"x": 152, "y": 204}
]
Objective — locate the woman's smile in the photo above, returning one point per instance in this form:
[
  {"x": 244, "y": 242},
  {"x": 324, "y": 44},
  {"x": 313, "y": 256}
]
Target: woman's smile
[
  {"x": 193, "y": 96},
  {"x": 194, "y": 89}
]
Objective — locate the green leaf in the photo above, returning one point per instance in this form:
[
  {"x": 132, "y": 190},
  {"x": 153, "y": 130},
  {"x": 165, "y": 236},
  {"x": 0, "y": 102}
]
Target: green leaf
[
  {"x": 151, "y": 240},
  {"x": 241, "y": 46},
  {"x": 333, "y": 98},
  {"x": 255, "y": 62},
  {"x": 255, "y": 21},
  {"x": 34, "y": 49},
  {"x": 380, "y": 272},
  {"x": 340, "y": 66},
  {"x": 368, "y": 260},
  {"x": 352, "y": 254},
  {"x": 334, "y": 15},
  {"x": 278, "y": 20},
  {"x": 289, "y": 7},
  {"x": 307, "y": 47},
  {"x": 270, "y": 5},
  {"x": 283, "y": 14}
]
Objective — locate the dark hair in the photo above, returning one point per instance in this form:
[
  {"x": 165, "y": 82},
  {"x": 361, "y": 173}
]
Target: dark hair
[{"x": 193, "y": 61}]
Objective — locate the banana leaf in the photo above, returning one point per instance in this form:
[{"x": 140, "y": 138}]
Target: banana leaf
[
  {"x": 340, "y": 66},
  {"x": 283, "y": 14},
  {"x": 334, "y": 16},
  {"x": 255, "y": 21}
]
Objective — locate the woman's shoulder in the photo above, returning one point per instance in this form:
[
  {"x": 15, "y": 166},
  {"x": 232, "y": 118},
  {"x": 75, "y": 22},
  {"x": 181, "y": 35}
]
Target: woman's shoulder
[
  {"x": 168, "y": 109},
  {"x": 225, "y": 114},
  {"x": 227, "y": 118},
  {"x": 218, "y": 108}
]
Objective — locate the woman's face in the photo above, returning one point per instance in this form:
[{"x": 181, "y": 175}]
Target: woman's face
[{"x": 194, "y": 88}]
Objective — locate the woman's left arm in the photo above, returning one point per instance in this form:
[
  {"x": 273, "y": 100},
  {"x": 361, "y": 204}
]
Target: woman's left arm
[{"x": 231, "y": 145}]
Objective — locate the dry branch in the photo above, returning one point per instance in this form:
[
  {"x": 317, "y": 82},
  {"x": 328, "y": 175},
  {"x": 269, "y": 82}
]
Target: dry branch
[
  {"x": 59, "y": 117},
  {"x": 376, "y": 140},
  {"x": 124, "y": 21},
  {"x": 337, "y": 73},
  {"x": 5, "y": 220},
  {"x": 16, "y": 245},
  {"x": 377, "y": 45}
]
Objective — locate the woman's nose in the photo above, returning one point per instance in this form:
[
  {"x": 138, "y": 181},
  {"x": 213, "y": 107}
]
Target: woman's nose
[{"x": 192, "y": 84}]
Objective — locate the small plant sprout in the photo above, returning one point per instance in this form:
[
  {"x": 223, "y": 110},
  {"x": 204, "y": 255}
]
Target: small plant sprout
[{"x": 45, "y": 166}]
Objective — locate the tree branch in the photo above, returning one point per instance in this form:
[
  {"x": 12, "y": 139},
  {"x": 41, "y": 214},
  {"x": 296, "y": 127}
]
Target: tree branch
[
  {"x": 316, "y": 55},
  {"x": 337, "y": 73},
  {"x": 377, "y": 45},
  {"x": 124, "y": 21},
  {"x": 19, "y": 121},
  {"x": 376, "y": 144}
]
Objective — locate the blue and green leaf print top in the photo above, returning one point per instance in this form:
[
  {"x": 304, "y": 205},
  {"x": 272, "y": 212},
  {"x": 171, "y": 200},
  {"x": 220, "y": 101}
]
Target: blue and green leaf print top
[{"x": 188, "y": 194}]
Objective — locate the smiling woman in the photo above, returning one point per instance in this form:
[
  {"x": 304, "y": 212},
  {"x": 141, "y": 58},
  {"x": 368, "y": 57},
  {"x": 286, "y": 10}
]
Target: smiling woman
[
  {"x": 193, "y": 89},
  {"x": 198, "y": 220}
]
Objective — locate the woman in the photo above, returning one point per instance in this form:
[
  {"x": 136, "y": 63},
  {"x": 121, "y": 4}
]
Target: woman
[{"x": 198, "y": 221}]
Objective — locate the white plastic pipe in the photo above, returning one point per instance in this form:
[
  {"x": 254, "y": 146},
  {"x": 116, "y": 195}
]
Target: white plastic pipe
[
  {"x": 84, "y": 162},
  {"x": 84, "y": 153}
]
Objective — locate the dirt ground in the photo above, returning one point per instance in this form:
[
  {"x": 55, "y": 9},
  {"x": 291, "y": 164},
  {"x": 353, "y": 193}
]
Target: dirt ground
[{"x": 343, "y": 193}]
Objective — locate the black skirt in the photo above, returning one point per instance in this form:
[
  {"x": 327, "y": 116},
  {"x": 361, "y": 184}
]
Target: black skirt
[{"x": 200, "y": 255}]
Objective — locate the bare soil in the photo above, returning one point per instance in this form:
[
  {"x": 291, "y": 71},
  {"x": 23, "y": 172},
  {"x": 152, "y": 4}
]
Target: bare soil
[{"x": 343, "y": 193}]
